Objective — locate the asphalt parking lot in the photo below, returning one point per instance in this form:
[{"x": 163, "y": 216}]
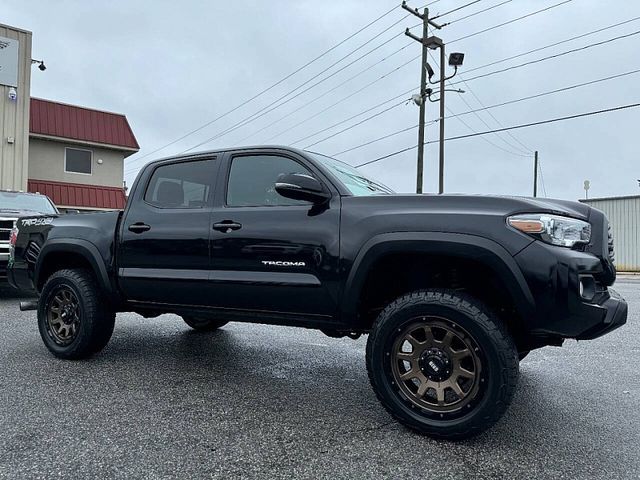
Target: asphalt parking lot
[{"x": 272, "y": 402}]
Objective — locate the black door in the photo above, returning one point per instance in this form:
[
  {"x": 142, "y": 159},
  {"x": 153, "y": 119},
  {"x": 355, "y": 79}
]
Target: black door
[
  {"x": 268, "y": 252},
  {"x": 164, "y": 249}
]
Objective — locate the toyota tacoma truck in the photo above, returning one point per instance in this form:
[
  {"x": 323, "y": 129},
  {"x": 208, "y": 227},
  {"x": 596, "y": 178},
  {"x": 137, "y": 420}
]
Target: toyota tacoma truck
[
  {"x": 452, "y": 290},
  {"x": 13, "y": 205}
]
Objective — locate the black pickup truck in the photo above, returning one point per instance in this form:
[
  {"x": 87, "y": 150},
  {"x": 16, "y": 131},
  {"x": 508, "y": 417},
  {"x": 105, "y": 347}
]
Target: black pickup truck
[{"x": 452, "y": 290}]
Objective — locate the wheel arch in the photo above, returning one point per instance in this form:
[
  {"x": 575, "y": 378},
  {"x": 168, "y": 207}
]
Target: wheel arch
[
  {"x": 70, "y": 252},
  {"x": 483, "y": 251}
]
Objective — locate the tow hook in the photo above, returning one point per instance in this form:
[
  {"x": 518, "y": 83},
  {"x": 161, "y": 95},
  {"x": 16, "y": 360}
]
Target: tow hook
[{"x": 28, "y": 305}]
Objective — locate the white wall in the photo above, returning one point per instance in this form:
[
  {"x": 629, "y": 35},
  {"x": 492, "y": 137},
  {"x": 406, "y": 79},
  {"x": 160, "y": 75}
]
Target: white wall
[
  {"x": 624, "y": 216},
  {"x": 14, "y": 117},
  {"x": 46, "y": 162}
]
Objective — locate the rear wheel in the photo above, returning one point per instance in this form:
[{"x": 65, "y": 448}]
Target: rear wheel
[
  {"x": 203, "y": 324},
  {"x": 74, "y": 318},
  {"x": 442, "y": 364}
]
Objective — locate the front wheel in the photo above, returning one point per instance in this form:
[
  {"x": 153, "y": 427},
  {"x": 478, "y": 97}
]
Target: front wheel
[
  {"x": 203, "y": 324},
  {"x": 442, "y": 364},
  {"x": 74, "y": 318}
]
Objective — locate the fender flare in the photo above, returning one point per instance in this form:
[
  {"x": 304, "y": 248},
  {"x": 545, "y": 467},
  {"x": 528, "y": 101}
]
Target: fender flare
[
  {"x": 82, "y": 248},
  {"x": 480, "y": 249}
]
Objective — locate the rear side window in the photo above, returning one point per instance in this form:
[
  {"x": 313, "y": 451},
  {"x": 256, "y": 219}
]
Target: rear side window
[
  {"x": 181, "y": 185},
  {"x": 252, "y": 180}
]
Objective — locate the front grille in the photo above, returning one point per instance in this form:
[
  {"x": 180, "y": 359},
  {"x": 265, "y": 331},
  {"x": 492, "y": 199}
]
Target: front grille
[
  {"x": 612, "y": 253},
  {"x": 6, "y": 225}
]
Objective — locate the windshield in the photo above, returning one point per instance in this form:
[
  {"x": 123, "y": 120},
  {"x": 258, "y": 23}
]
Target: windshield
[
  {"x": 22, "y": 201},
  {"x": 357, "y": 183}
]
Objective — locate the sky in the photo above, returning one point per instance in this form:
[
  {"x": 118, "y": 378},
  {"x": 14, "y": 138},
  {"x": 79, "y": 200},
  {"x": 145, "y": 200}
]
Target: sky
[{"x": 172, "y": 67}]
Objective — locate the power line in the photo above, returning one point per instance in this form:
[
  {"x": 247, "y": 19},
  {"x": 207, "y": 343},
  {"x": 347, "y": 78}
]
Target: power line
[
  {"x": 544, "y": 93},
  {"x": 269, "y": 108},
  {"x": 566, "y": 52},
  {"x": 351, "y": 118},
  {"x": 544, "y": 190},
  {"x": 279, "y": 82},
  {"x": 509, "y": 22},
  {"x": 524, "y": 125},
  {"x": 491, "y": 28},
  {"x": 495, "y": 119},
  {"x": 455, "y": 9},
  {"x": 386, "y": 156},
  {"x": 355, "y": 124},
  {"x": 483, "y": 138},
  {"x": 381, "y": 138},
  {"x": 550, "y": 92},
  {"x": 343, "y": 100},
  {"x": 481, "y": 119},
  {"x": 502, "y": 104},
  {"x": 305, "y": 105},
  {"x": 274, "y": 105},
  {"x": 531, "y": 14},
  {"x": 516, "y": 66},
  {"x": 265, "y": 110},
  {"x": 552, "y": 45},
  {"x": 478, "y": 12}
]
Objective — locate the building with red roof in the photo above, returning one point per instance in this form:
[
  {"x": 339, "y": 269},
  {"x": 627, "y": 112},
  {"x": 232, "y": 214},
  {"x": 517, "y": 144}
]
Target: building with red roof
[{"x": 76, "y": 155}]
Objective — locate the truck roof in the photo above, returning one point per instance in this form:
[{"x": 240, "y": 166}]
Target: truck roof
[{"x": 203, "y": 153}]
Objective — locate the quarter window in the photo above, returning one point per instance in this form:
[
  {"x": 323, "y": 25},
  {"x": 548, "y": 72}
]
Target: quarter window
[
  {"x": 77, "y": 160},
  {"x": 252, "y": 180},
  {"x": 181, "y": 185}
]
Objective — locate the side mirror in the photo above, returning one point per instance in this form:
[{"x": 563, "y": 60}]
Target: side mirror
[
  {"x": 72, "y": 211},
  {"x": 301, "y": 187}
]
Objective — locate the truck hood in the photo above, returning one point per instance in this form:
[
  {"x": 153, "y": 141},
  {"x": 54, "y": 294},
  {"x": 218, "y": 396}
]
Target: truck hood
[
  {"x": 478, "y": 204},
  {"x": 478, "y": 215},
  {"x": 13, "y": 213}
]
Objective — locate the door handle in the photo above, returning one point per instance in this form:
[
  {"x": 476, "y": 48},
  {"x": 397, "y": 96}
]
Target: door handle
[
  {"x": 139, "y": 227},
  {"x": 227, "y": 226}
]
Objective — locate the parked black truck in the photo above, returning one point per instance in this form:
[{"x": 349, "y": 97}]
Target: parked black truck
[
  {"x": 453, "y": 290},
  {"x": 12, "y": 206}
]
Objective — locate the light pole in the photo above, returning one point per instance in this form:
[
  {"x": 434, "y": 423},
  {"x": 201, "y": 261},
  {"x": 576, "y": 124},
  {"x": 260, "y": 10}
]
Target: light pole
[{"x": 455, "y": 60}]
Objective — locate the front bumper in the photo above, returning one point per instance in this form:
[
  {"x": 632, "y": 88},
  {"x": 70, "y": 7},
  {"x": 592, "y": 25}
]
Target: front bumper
[
  {"x": 553, "y": 275},
  {"x": 608, "y": 316}
]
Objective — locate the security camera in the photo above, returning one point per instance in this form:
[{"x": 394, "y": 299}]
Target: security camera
[
  {"x": 42, "y": 67},
  {"x": 430, "y": 71},
  {"x": 456, "y": 59}
]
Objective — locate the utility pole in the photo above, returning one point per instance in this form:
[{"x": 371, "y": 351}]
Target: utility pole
[
  {"x": 424, "y": 40},
  {"x": 535, "y": 174},
  {"x": 441, "y": 156}
]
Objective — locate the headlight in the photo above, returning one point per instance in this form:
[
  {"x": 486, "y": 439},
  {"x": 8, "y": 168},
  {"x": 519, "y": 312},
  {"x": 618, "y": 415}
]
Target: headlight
[{"x": 553, "y": 229}]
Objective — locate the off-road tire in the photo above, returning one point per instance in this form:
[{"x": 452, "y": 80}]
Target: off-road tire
[
  {"x": 96, "y": 317},
  {"x": 499, "y": 355},
  {"x": 202, "y": 324}
]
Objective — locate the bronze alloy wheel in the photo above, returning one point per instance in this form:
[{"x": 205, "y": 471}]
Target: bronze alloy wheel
[
  {"x": 436, "y": 365},
  {"x": 63, "y": 315}
]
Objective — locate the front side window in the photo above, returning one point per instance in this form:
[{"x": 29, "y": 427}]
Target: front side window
[
  {"x": 77, "y": 160},
  {"x": 252, "y": 180},
  {"x": 181, "y": 185}
]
